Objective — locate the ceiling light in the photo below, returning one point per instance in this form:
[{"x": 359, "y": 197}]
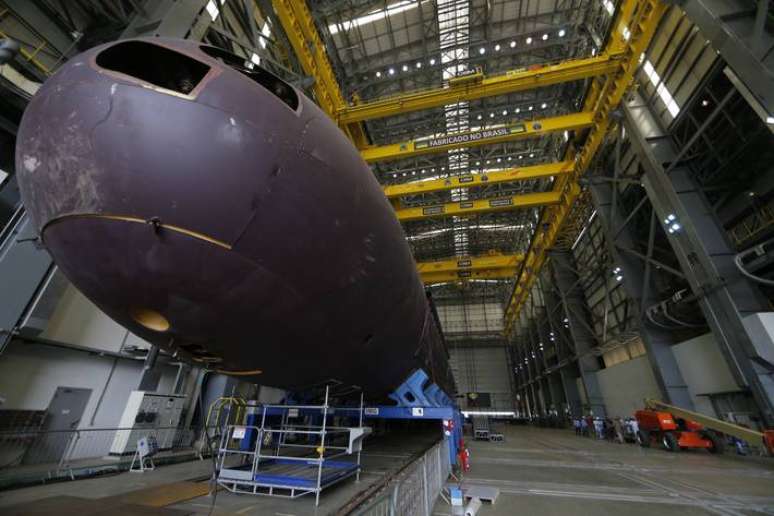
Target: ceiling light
[
  {"x": 705, "y": 102},
  {"x": 529, "y": 40},
  {"x": 378, "y": 74},
  {"x": 562, "y": 32},
  {"x": 478, "y": 117},
  {"x": 391, "y": 71},
  {"x": 497, "y": 47},
  {"x": 405, "y": 68},
  {"x": 505, "y": 112},
  {"x": 770, "y": 119},
  {"x": 404, "y": 174},
  {"x": 521, "y": 157},
  {"x": 513, "y": 44},
  {"x": 423, "y": 171},
  {"x": 419, "y": 64},
  {"x": 499, "y": 160},
  {"x": 482, "y": 50},
  {"x": 518, "y": 110},
  {"x": 491, "y": 115},
  {"x": 531, "y": 154},
  {"x": 545, "y": 37},
  {"x": 432, "y": 62},
  {"x": 414, "y": 173},
  {"x": 478, "y": 163},
  {"x": 543, "y": 105},
  {"x": 530, "y": 108},
  {"x": 488, "y": 162},
  {"x": 510, "y": 157}
]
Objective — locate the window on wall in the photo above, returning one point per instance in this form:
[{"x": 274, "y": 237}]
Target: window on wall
[{"x": 661, "y": 88}]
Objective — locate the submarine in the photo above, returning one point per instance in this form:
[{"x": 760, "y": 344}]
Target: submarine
[{"x": 215, "y": 211}]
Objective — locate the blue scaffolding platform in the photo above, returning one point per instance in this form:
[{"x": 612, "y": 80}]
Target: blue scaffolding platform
[{"x": 270, "y": 430}]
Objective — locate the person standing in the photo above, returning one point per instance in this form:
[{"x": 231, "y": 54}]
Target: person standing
[
  {"x": 577, "y": 424},
  {"x": 618, "y": 428}
]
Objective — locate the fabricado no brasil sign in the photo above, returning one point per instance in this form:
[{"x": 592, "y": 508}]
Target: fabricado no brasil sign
[{"x": 465, "y": 138}]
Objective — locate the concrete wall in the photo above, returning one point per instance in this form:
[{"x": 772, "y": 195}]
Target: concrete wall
[
  {"x": 704, "y": 370},
  {"x": 76, "y": 320},
  {"x": 625, "y": 385},
  {"x": 30, "y": 374}
]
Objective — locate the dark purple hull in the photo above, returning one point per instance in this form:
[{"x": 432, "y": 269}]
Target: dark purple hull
[{"x": 223, "y": 224}]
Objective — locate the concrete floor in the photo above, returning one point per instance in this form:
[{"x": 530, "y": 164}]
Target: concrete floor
[
  {"x": 538, "y": 471},
  {"x": 550, "y": 472},
  {"x": 382, "y": 456}
]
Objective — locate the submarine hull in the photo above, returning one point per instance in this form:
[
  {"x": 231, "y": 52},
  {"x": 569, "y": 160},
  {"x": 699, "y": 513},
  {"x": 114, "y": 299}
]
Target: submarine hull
[{"x": 217, "y": 212}]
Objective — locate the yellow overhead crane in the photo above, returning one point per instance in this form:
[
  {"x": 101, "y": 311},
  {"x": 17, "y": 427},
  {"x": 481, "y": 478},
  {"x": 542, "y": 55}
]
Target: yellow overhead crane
[
  {"x": 509, "y": 82},
  {"x": 466, "y": 208},
  {"x": 509, "y": 175},
  {"x": 491, "y": 266},
  {"x": 489, "y": 136},
  {"x": 634, "y": 26},
  {"x": 632, "y": 31},
  {"x": 310, "y": 51}
]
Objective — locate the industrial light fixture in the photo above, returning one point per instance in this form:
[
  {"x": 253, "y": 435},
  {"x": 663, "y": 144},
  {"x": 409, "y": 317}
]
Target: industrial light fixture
[
  {"x": 509, "y": 158},
  {"x": 505, "y": 112},
  {"x": 491, "y": 115},
  {"x": 705, "y": 102},
  {"x": 518, "y": 110},
  {"x": 530, "y": 108},
  {"x": 405, "y": 68},
  {"x": 529, "y": 40},
  {"x": 497, "y": 47},
  {"x": 543, "y": 105},
  {"x": 513, "y": 44},
  {"x": 419, "y": 64},
  {"x": 423, "y": 171},
  {"x": 391, "y": 71},
  {"x": 671, "y": 223},
  {"x": 531, "y": 154},
  {"x": 562, "y": 33},
  {"x": 478, "y": 163},
  {"x": 521, "y": 157},
  {"x": 770, "y": 119},
  {"x": 499, "y": 160},
  {"x": 545, "y": 37},
  {"x": 478, "y": 117},
  {"x": 482, "y": 50},
  {"x": 432, "y": 62},
  {"x": 378, "y": 74}
]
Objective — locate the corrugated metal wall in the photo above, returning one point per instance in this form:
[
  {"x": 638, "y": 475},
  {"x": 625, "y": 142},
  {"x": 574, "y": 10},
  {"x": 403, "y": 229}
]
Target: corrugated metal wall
[{"x": 479, "y": 358}]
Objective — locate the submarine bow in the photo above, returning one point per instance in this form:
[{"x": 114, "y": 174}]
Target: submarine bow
[{"x": 215, "y": 211}]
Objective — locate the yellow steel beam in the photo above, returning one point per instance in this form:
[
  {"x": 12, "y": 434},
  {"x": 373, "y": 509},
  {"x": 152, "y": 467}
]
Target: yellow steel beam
[
  {"x": 632, "y": 32},
  {"x": 501, "y": 176},
  {"x": 429, "y": 278},
  {"x": 310, "y": 50},
  {"x": 517, "y": 80},
  {"x": 492, "y": 136},
  {"x": 465, "y": 208},
  {"x": 476, "y": 263}
]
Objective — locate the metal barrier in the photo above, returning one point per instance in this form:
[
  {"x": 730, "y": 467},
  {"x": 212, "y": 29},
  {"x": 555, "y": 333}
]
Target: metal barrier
[
  {"x": 31, "y": 456},
  {"x": 415, "y": 489}
]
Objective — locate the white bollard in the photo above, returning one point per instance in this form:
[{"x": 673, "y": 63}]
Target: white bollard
[{"x": 473, "y": 507}]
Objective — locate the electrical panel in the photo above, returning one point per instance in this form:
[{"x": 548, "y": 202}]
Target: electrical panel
[{"x": 148, "y": 414}]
